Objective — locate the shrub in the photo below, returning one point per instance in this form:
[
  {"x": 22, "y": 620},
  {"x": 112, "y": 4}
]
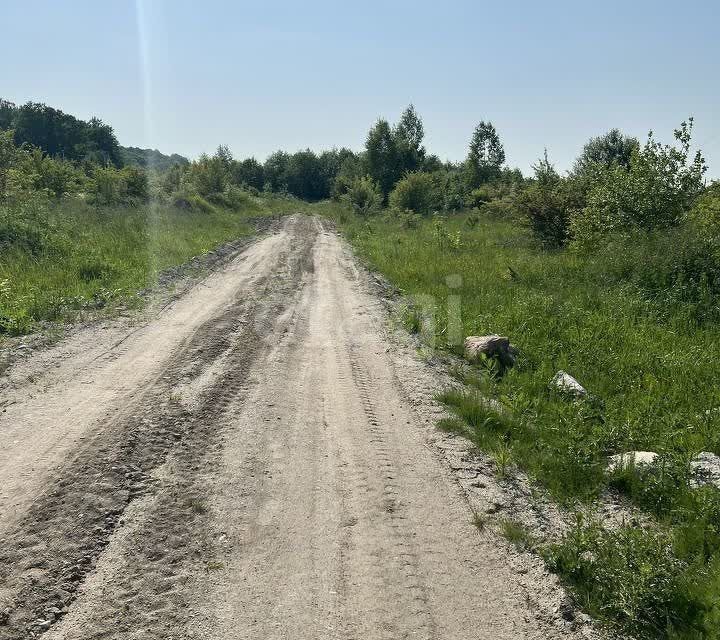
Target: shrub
[
  {"x": 706, "y": 211},
  {"x": 656, "y": 191},
  {"x": 454, "y": 190},
  {"x": 549, "y": 202},
  {"x": 232, "y": 198},
  {"x": 106, "y": 186},
  {"x": 632, "y": 577},
  {"x": 186, "y": 198},
  {"x": 364, "y": 196},
  {"x": 111, "y": 186},
  {"x": 209, "y": 175},
  {"x": 8, "y": 153},
  {"x": 478, "y": 197},
  {"x": 418, "y": 192},
  {"x": 134, "y": 184},
  {"x": 677, "y": 267},
  {"x": 502, "y": 208},
  {"x": 57, "y": 177}
]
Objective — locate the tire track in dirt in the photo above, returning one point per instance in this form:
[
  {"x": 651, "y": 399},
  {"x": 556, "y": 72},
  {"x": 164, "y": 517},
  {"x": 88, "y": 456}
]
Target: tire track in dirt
[{"x": 48, "y": 555}]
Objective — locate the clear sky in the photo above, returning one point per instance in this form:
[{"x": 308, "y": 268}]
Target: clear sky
[{"x": 185, "y": 76}]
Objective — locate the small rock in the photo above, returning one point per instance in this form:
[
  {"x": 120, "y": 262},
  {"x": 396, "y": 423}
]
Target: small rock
[
  {"x": 705, "y": 468},
  {"x": 631, "y": 458},
  {"x": 583, "y": 618},
  {"x": 492, "y": 346},
  {"x": 567, "y": 609},
  {"x": 564, "y": 382}
]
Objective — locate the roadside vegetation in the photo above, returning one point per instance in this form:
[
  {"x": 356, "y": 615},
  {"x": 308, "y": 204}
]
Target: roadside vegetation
[
  {"x": 610, "y": 272},
  {"x": 86, "y": 224}
]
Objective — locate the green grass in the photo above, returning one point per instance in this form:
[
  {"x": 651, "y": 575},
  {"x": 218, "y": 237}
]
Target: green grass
[
  {"x": 59, "y": 259},
  {"x": 643, "y": 341},
  {"x": 517, "y": 534}
]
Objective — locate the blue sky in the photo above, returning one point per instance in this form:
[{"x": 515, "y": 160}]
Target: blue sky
[{"x": 186, "y": 76}]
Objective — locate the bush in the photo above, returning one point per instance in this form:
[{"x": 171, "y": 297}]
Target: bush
[
  {"x": 118, "y": 186},
  {"x": 677, "y": 267},
  {"x": 503, "y": 208},
  {"x": 105, "y": 188},
  {"x": 418, "y": 192},
  {"x": 478, "y": 197},
  {"x": 57, "y": 177},
  {"x": 209, "y": 175},
  {"x": 134, "y": 184},
  {"x": 634, "y": 578},
  {"x": 706, "y": 211},
  {"x": 454, "y": 190},
  {"x": 656, "y": 191},
  {"x": 364, "y": 196},
  {"x": 16, "y": 234},
  {"x": 187, "y": 199},
  {"x": 549, "y": 202},
  {"x": 232, "y": 198}
]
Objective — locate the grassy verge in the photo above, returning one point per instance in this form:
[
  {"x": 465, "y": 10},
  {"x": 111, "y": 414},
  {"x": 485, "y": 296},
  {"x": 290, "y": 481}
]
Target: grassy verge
[
  {"x": 61, "y": 258},
  {"x": 648, "y": 356}
]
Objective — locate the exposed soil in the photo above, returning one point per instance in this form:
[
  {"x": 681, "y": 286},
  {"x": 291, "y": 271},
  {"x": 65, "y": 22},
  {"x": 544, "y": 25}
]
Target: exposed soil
[{"x": 255, "y": 460}]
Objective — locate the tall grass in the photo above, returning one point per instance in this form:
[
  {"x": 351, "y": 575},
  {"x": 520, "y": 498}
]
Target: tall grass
[
  {"x": 60, "y": 258},
  {"x": 637, "y": 336}
]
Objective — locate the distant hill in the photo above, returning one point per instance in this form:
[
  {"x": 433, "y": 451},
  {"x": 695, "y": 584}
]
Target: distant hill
[
  {"x": 60, "y": 134},
  {"x": 150, "y": 158}
]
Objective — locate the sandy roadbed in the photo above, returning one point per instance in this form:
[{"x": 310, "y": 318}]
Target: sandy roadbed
[{"x": 245, "y": 464}]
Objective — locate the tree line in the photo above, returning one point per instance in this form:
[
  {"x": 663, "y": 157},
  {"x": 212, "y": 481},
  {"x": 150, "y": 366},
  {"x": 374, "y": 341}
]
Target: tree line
[{"x": 617, "y": 184}]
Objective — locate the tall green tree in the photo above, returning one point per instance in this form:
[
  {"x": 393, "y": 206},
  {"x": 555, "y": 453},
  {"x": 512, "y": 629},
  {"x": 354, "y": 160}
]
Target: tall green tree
[
  {"x": 248, "y": 172},
  {"x": 275, "y": 171},
  {"x": 61, "y": 135},
  {"x": 7, "y": 114},
  {"x": 304, "y": 176},
  {"x": 382, "y": 157},
  {"x": 611, "y": 148},
  {"x": 486, "y": 156},
  {"x": 409, "y": 134}
]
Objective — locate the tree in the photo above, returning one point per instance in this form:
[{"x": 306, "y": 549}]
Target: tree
[
  {"x": 8, "y": 156},
  {"x": 224, "y": 156},
  {"x": 7, "y": 114},
  {"x": 351, "y": 169},
  {"x": 408, "y": 136},
  {"x": 209, "y": 175},
  {"x": 382, "y": 157},
  {"x": 611, "y": 148},
  {"x": 61, "y": 135},
  {"x": 100, "y": 138},
  {"x": 275, "y": 171},
  {"x": 485, "y": 156},
  {"x": 658, "y": 189},
  {"x": 248, "y": 172},
  {"x": 304, "y": 176}
]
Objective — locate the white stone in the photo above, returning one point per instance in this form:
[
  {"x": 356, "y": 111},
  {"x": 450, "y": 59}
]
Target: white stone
[
  {"x": 567, "y": 384},
  {"x": 491, "y": 345}
]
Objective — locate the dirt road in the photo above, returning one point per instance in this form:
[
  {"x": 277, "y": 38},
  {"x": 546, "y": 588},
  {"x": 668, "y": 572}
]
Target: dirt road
[{"x": 245, "y": 464}]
